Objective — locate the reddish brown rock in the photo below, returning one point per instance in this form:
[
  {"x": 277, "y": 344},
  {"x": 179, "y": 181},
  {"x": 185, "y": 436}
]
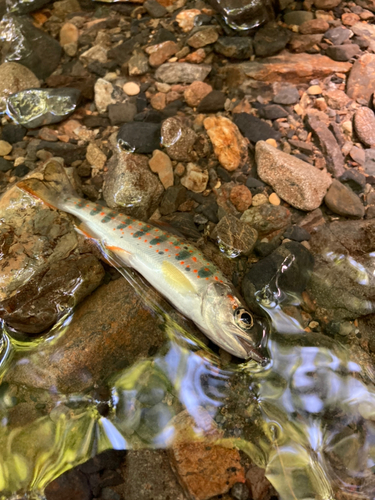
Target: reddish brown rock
[
  {"x": 293, "y": 68},
  {"x": 186, "y": 18},
  {"x": 326, "y": 4},
  {"x": 196, "y": 57},
  {"x": 364, "y": 124},
  {"x": 158, "y": 101},
  {"x": 196, "y": 92},
  {"x": 361, "y": 81},
  {"x": 241, "y": 197},
  {"x": 349, "y": 19},
  {"x": 343, "y": 201},
  {"x": 258, "y": 484},
  {"x": 161, "y": 52},
  {"x": 305, "y": 43},
  {"x": 203, "y": 37},
  {"x": 337, "y": 99},
  {"x": 204, "y": 468},
  {"x": 230, "y": 146},
  {"x": 161, "y": 164},
  {"x": 314, "y": 26}
]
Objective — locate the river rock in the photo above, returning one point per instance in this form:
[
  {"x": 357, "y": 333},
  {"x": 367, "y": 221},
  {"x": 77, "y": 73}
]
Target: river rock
[
  {"x": 178, "y": 139},
  {"x": 267, "y": 218},
  {"x": 326, "y": 4},
  {"x": 295, "y": 181},
  {"x": 286, "y": 94},
  {"x": 182, "y": 72},
  {"x": 195, "y": 179},
  {"x": 366, "y": 31},
  {"x": 131, "y": 186},
  {"x": 230, "y": 147},
  {"x": 270, "y": 39},
  {"x": 196, "y": 92},
  {"x": 45, "y": 268},
  {"x": 337, "y": 35},
  {"x": 364, "y": 124},
  {"x": 204, "y": 36},
  {"x": 361, "y": 79},
  {"x": 103, "y": 94},
  {"x": 234, "y": 236},
  {"x": 328, "y": 144},
  {"x": 13, "y": 78},
  {"x": 343, "y": 201},
  {"x": 254, "y": 128},
  {"x": 161, "y": 52},
  {"x": 313, "y": 27},
  {"x": 342, "y": 52},
  {"x": 139, "y": 137},
  {"x": 236, "y": 47},
  {"x": 161, "y": 164},
  {"x": 212, "y": 102},
  {"x": 37, "y": 107}
]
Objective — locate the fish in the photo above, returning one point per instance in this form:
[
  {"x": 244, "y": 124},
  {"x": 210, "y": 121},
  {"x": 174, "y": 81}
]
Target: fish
[{"x": 174, "y": 267}]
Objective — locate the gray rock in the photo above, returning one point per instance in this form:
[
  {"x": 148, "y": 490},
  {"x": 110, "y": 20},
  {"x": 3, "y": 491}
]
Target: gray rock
[
  {"x": 235, "y": 47},
  {"x": 329, "y": 146},
  {"x": 138, "y": 64},
  {"x": 37, "y": 107},
  {"x": 369, "y": 165},
  {"x": 364, "y": 124},
  {"x": 139, "y": 137},
  {"x": 24, "y": 7},
  {"x": 130, "y": 185},
  {"x": 270, "y": 39},
  {"x": 287, "y": 94},
  {"x": 365, "y": 31},
  {"x": 30, "y": 46},
  {"x": 13, "y": 78},
  {"x": 172, "y": 199},
  {"x": 343, "y": 201},
  {"x": 234, "y": 236},
  {"x": 245, "y": 15},
  {"x": 342, "y": 52},
  {"x": 298, "y": 17},
  {"x": 361, "y": 80},
  {"x": 337, "y": 35},
  {"x": 154, "y": 8},
  {"x": 178, "y": 139},
  {"x": 295, "y": 181},
  {"x": 182, "y": 72},
  {"x": 122, "y": 113},
  {"x": 255, "y": 129},
  {"x": 267, "y": 219},
  {"x": 273, "y": 112}
]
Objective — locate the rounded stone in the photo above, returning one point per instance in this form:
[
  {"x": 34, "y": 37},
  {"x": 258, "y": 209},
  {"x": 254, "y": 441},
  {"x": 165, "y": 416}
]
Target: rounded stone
[
  {"x": 314, "y": 90},
  {"x": 5, "y": 148},
  {"x": 13, "y": 78},
  {"x": 259, "y": 199},
  {"x": 131, "y": 88},
  {"x": 274, "y": 199},
  {"x": 241, "y": 197},
  {"x": 364, "y": 124}
]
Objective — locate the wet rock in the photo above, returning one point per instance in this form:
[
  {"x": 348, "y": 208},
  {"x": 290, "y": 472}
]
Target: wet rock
[
  {"x": 361, "y": 79},
  {"x": 298, "y": 17},
  {"x": 343, "y": 201},
  {"x": 270, "y": 39},
  {"x": 103, "y": 95},
  {"x": 364, "y": 124},
  {"x": 314, "y": 26},
  {"x": 19, "y": 7},
  {"x": 182, "y": 72},
  {"x": 354, "y": 179},
  {"x": 178, "y": 139},
  {"x": 5, "y": 148},
  {"x": 241, "y": 197},
  {"x": 196, "y": 92},
  {"x": 235, "y": 47},
  {"x": 138, "y": 64},
  {"x": 195, "y": 179},
  {"x": 212, "y": 102},
  {"x": 273, "y": 112},
  {"x": 35, "y": 49},
  {"x": 185, "y": 19},
  {"x": 326, "y": 4},
  {"x": 72, "y": 484},
  {"x": 161, "y": 164},
  {"x": 121, "y": 113},
  {"x": 139, "y": 137},
  {"x": 69, "y": 152},
  {"x": 154, "y": 8},
  {"x": 260, "y": 486},
  {"x": 297, "y": 233},
  {"x": 292, "y": 68},
  {"x": 121, "y": 53},
  {"x": 161, "y": 52},
  {"x": 338, "y": 289},
  {"x": 13, "y": 133},
  {"x": 95, "y": 156},
  {"x": 229, "y": 145},
  {"x": 37, "y": 107},
  {"x": 204, "y": 468},
  {"x": 266, "y": 218},
  {"x": 293, "y": 280},
  {"x": 366, "y": 33},
  {"x": 328, "y": 145},
  {"x": 130, "y": 185},
  {"x": 204, "y": 36},
  {"x": 172, "y": 198},
  {"x": 13, "y": 78},
  {"x": 245, "y": 16},
  {"x": 5, "y": 165},
  {"x": 234, "y": 237},
  {"x": 295, "y": 181},
  {"x": 69, "y": 34},
  {"x": 254, "y": 129},
  {"x": 287, "y": 95},
  {"x": 342, "y": 52},
  {"x": 305, "y": 43},
  {"x": 369, "y": 166},
  {"x": 131, "y": 88},
  {"x": 337, "y": 35}
]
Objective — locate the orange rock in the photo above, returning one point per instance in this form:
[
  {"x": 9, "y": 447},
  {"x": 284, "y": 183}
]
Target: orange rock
[
  {"x": 204, "y": 468},
  {"x": 161, "y": 164},
  {"x": 68, "y": 34},
  {"x": 196, "y": 57},
  {"x": 242, "y": 107},
  {"x": 258, "y": 483},
  {"x": 186, "y": 18},
  {"x": 196, "y": 92},
  {"x": 241, "y": 197},
  {"x": 161, "y": 52},
  {"x": 158, "y": 101},
  {"x": 230, "y": 147},
  {"x": 350, "y": 19}
]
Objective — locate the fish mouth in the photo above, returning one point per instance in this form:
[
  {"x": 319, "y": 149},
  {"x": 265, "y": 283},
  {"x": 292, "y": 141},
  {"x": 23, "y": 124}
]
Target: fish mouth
[{"x": 253, "y": 352}]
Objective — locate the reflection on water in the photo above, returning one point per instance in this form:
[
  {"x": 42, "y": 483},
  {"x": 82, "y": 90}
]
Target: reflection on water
[{"x": 308, "y": 417}]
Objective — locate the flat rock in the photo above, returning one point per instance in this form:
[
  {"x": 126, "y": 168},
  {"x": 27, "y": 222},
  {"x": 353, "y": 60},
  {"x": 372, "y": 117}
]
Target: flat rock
[
  {"x": 130, "y": 185},
  {"x": 212, "y": 102},
  {"x": 326, "y": 4},
  {"x": 230, "y": 147},
  {"x": 286, "y": 94},
  {"x": 139, "y": 137},
  {"x": 369, "y": 165},
  {"x": 270, "y": 39},
  {"x": 293, "y": 68},
  {"x": 305, "y": 43},
  {"x": 364, "y": 124},
  {"x": 342, "y": 52},
  {"x": 361, "y": 81},
  {"x": 366, "y": 31},
  {"x": 235, "y": 47},
  {"x": 182, "y": 72},
  {"x": 203, "y": 36},
  {"x": 121, "y": 112},
  {"x": 13, "y": 78},
  {"x": 298, "y": 17},
  {"x": 195, "y": 179},
  {"x": 337, "y": 35},
  {"x": 254, "y": 128},
  {"x": 267, "y": 218},
  {"x": 343, "y": 201},
  {"x": 196, "y": 92},
  {"x": 178, "y": 139},
  {"x": 234, "y": 236},
  {"x": 313, "y": 27},
  {"x": 329, "y": 146},
  {"x": 272, "y": 112},
  {"x": 295, "y": 181},
  {"x": 103, "y": 94}
]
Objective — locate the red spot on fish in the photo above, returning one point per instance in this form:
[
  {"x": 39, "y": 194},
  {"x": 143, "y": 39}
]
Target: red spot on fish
[
  {"x": 139, "y": 223},
  {"x": 150, "y": 246},
  {"x": 114, "y": 229},
  {"x": 87, "y": 206},
  {"x": 130, "y": 227},
  {"x": 216, "y": 278},
  {"x": 206, "y": 279},
  {"x": 102, "y": 213},
  {"x": 131, "y": 234},
  {"x": 177, "y": 248},
  {"x": 206, "y": 269},
  {"x": 166, "y": 250},
  {"x": 188, "y": 265},
  {"x": 158, "y": 243},
  {"x": 147, "y": 234},
  {"x": 195, "y": 271},
  {"x": 191, "y": 251},
  {"x": 139, "y": 238},
  {"x": 145, "y": 241},
  {"x": 148, "y": 226},
  {"x": 182, "y": 262},
  {"x": 194, "y": 259}
]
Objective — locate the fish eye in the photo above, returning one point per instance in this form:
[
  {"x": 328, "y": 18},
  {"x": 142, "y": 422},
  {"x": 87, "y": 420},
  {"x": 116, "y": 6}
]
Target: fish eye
[{"x": 243, "y": 318}]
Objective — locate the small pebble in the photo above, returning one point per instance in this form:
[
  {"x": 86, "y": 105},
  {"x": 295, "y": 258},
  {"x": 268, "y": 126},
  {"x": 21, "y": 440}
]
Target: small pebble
[
  {"x": 259, "y": 199},
  {"x": 272, "y": 142},
  {"x": 131, "y": 88},
  {"x": 274, "y": 199},
  {"x": 314, "y": 90},
  {"x": 5, "y": 148}
]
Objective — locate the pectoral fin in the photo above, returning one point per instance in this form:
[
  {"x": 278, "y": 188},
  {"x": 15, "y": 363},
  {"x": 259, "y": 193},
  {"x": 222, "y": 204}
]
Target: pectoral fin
[{"x": 176, "y": 278}]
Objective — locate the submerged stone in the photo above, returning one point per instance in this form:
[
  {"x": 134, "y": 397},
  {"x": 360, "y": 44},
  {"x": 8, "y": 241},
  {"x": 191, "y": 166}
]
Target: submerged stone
[
  {"x": 25, "y": 6},
  {"x": 37, "y": 107},
  {"x": 245, "y": 14},
  {"x": 13, "y": 78}
]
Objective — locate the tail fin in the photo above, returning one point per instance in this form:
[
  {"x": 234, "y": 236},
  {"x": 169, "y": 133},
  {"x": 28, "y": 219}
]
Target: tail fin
[{"x": 55, "y": 188}]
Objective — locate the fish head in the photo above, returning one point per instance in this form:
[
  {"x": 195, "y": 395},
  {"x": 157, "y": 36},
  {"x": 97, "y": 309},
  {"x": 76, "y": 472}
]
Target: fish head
[{"x": 230, "y": 324}]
